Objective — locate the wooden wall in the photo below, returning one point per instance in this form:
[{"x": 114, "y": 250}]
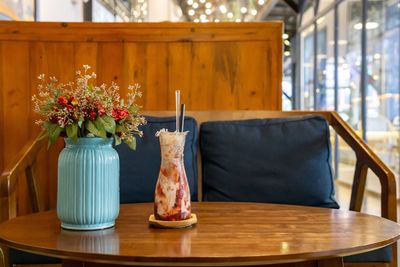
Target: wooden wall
[{"x": 224, "y": 66}]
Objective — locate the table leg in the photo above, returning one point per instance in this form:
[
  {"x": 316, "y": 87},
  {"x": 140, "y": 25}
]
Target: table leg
[
  {"x": 71, "y": 263},
  {"x": 334, "y": 262}
]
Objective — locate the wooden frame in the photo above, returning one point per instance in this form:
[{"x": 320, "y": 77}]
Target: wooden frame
[{"x": 366, "y": 159}]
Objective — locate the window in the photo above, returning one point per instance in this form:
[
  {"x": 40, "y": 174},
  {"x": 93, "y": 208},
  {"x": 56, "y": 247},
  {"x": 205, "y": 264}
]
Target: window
[
  {"x": 383, "y": 83},
  {"x": 325, "y": 63},
  {"x": 324, "y": 4},
  {"x": 382, "y": 87},
  {"x": 349, "y": 62},
  {"x": 307, "y": 63},
  {"x": 349, "y": 73}
]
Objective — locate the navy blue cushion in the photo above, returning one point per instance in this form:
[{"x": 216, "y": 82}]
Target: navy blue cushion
[
  {"x": 139, "y": 168},
  {"x": 379, "y": 255},
  {"x": 21, "y": 257},
  {"x": 285, "y": 160}
]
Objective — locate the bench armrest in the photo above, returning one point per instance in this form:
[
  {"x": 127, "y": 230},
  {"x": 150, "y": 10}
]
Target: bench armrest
[
  {"x": 366, "y": 158},
  {"x": 22, "y": 164}
]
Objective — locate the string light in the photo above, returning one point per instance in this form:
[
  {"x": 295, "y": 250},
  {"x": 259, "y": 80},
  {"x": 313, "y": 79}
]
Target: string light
[
  {"x": 138, "y": 12},
  {"x": 225, "y": 11}
]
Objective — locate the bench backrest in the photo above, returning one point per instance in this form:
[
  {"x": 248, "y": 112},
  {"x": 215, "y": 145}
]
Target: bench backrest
[{"x": 205, "y": 116}]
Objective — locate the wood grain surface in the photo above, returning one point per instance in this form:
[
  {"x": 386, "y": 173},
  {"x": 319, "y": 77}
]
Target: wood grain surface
[
  {"x": 217, "y": 66},
  {"x": 226, "y": 234}
]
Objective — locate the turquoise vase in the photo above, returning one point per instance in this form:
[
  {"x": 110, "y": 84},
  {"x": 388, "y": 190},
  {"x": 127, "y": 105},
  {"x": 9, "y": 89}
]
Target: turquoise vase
[{"x": 88, "y": 184}]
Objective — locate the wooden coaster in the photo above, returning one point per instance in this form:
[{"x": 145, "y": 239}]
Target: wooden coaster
[{"x": 173, "y": 224}]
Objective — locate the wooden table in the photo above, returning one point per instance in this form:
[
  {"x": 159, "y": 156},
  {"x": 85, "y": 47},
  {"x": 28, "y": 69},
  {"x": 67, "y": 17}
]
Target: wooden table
[{"x": 233, "y": 234}]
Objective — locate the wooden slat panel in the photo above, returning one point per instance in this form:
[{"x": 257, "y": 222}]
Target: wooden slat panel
[
  {"x": 2, "y": 113},
  {"x": 252, "y": 88},
  {"x": 156, "y": 96},
  {"x": 109, "y": 63},
  {"x": 200, "y": 97},
  {"x": 59, "y": 57},
  {"x": 224, "y": 87},
  {"x": 38, "y": 65},
  {"x": 16, "y": 106},
  {"x": 274, "y": 64},
  {"x": 179, "y": 72},
  {"x": 216, "y": 66},
  {"x": 134, "y": 67},
  {"x": 85, "y": 54}
]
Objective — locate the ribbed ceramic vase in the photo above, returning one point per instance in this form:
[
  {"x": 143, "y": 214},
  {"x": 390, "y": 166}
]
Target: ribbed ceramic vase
[
  {"x": 172, "y": 194},
  {"x": 88, "y": 184}
]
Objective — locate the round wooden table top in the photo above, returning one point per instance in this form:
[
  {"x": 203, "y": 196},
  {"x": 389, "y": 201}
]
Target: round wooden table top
[{"x": 226, "y": 233}]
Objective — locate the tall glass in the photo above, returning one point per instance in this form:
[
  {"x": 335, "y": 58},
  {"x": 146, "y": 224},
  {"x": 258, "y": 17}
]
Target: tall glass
[{"x": 172, "y": 194}]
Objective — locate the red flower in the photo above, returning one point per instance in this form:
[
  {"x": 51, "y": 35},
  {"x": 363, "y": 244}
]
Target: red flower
[
  {"x": 92, "y": 115},
  {"x": 100, "y": 110},
  {"x": 70, "y": 106},
  {"x": 62, "y": 100},
  {"x": 115, "y": 113},
  {"x": 120, "y": 113}
]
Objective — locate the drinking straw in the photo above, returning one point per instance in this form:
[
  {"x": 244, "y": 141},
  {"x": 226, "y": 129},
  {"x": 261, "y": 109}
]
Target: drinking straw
[
  {"x": 177, "y": 104},
  {"x": 182, "y": 117}
]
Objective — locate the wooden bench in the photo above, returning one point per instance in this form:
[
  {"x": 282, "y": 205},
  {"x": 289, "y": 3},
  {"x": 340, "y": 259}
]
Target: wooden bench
[{"x": 366, "y": 159}]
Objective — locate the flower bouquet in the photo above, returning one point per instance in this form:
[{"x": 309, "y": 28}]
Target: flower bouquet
[
  {"x": 82, "y": 109},
  {"x": 90, "y": 118}
]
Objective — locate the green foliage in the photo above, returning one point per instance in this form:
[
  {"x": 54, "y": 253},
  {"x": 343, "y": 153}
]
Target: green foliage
[
  {"x": 131, "y": 142},
  {"x": 101, "y": 132},
  {"x": 117, "y": 140},
  {"x": 108, "y": 123},
  {"x": 95, "y": 129},
  {"x": 134, "y": 109},
  {"x": 91, "y": 127},
  {"x": 53, "y": 131},
  {"x": 72, "y": 131},
  {"x": 120, "y": 128}
]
